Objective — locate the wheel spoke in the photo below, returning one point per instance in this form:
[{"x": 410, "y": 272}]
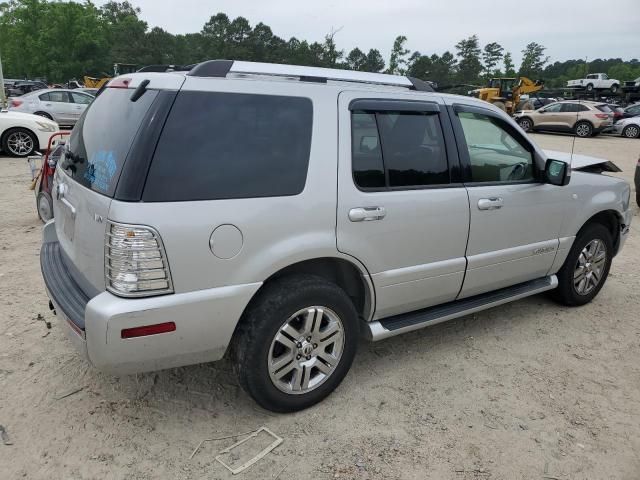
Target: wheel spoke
[
  {"x": 312, "y": 320},
  {"x": 285, "y": 340},
  {"x": 285, "y": 371},
  {"x": 282, "y": 361},
  {"x": 579, "y": 273}
]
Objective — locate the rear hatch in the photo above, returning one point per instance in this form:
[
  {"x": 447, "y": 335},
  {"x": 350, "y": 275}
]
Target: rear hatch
[{"x": 88, "y": 176}]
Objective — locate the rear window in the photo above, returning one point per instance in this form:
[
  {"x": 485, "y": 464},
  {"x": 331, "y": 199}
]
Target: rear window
[
  {"x": 101, "y": 139},
  {"x": 604, "y": 108},
  {"x": 231, "y": 145}
]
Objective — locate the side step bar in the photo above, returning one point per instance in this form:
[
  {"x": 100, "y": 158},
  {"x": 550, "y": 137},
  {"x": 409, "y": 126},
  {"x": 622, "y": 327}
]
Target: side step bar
[{"x": 406, "y": 322}]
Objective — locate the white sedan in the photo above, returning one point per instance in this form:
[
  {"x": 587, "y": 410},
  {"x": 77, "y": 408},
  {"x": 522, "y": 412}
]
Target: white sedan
[{"x": 21, "y": 134}]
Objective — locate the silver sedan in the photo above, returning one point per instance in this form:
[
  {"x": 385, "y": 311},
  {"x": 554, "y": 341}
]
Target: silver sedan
[{"x": 60, "y": 105}]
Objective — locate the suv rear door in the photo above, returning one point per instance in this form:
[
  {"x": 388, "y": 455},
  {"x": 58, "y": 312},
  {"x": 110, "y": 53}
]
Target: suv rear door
[{"x": 402, "y": 210}]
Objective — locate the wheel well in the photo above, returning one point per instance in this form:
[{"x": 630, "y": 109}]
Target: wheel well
[
  {"x": 43, "y": 114},
  {"x": 611, "y": 220},
  {"x": 341, "y": 272},
  {"x": 583, "y": 121}
]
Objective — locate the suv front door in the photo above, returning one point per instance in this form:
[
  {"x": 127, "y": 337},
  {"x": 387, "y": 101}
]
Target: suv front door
[
  {"x": 402, "y": 209},
  {"x": 515, "y": 218},
  {"x": 551, "y": 118}
]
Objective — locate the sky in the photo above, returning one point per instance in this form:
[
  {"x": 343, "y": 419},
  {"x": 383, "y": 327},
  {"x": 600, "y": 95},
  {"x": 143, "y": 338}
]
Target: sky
[{"x": 569, "y": 29}]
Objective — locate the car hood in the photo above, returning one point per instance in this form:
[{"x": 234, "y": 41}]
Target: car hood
[
  {"x": 579, "y": 162},
  {"x": 12, "y": 114}
]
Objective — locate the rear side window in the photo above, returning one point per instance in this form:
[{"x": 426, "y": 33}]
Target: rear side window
[
  {"x": 101, "y": 139},
  {"x": 398, "y": 149},
  {"x": 231, "y": 145}
]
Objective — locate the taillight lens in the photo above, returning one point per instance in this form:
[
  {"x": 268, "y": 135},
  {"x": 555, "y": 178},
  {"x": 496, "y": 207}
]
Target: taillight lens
[
  {"x": 602, "y": 115},
  {"x": 119, "y": 82},
  {"x": 135, "y": 262},
  {"x": 15, "y": 103}
]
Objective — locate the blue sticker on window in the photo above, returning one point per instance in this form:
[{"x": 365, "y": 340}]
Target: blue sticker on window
[{"x": 101, "y": 170}]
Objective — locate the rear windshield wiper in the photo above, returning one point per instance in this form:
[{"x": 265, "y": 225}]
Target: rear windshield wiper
[{"x": 139, "y": 91}]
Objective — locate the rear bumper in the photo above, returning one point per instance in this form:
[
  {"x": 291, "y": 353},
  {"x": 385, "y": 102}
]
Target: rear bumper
[{"x": 205, "y": 320}]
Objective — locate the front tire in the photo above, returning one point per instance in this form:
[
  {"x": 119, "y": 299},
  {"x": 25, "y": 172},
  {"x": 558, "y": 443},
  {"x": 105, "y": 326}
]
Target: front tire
[
  {"x": 19, "y": 142},
  {"x": 631, "y": 131},
  {"x": 583, "y": 129},
  {"x": 526, "y": 124},
  {"x": 614, "y": 88},
  {"x": 587, "y": 266},
  {"x": 590, "y": 87},
  {"x": 295, "y": 342}
]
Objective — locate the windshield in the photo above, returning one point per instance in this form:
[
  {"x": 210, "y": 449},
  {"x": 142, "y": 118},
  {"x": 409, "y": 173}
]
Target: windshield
[{"x": 101, "y": 139}]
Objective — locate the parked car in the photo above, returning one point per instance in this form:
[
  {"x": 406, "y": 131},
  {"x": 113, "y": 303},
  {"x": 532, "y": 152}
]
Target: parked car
[
  {"x": 632, "y": 111},
  {"x": 617, "y": 111},
  {"x": 90, "y": 91},
  {"x": 596, "y": 81},
  {"x": 584, "y": 119},
  {"x": 309, "y": 207},
  {"x": 628, "y": 127},
  {"x": 632, "y": 86},
  {"x": 21, "y": 134},
  {"x": 22, "y": 87},
  {"x": 61, "y": 105}
]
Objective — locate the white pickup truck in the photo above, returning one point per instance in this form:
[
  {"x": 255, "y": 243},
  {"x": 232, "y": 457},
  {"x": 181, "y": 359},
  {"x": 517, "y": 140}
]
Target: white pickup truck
[{"x": 595, "y": 81}]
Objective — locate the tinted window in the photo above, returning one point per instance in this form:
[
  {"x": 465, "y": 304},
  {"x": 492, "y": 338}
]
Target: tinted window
[
  {"x": 101, "y": 139},
  {"x": 407, "y": 146},
  {"x": 494, "y": 153},
  {"x": 44, "y": 97},
  {"x": 80, "y": 98},
  {"x": 574, "y": 108},
  {"x": 61, "y": 97},
  {"x": 366, "y": 153},
  {"x": 604, "y": 108},
  {"x": 229, "y": 145}
]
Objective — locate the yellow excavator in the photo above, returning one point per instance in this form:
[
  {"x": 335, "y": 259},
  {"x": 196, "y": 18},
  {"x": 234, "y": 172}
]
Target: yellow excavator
[
  {"x": 505, "y": 93},
  {"x": 118, "y": 69}
]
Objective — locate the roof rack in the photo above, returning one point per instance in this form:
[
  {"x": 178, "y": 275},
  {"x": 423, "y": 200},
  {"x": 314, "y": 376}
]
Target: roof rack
[
  {"x": 166, "y": 68},
  {"x": 221, "y": 68}
]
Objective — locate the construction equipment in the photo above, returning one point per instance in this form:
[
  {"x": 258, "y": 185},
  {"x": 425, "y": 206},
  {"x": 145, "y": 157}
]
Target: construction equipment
[
  {"x": 118, "y": 69},
  {"x": 505, "y": 93}
]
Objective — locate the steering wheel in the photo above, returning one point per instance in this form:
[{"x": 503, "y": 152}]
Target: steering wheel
[{"x": 517, "y": 171}]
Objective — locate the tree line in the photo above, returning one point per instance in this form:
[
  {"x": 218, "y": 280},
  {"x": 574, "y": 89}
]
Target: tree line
[{"x": 58, "y": 41}]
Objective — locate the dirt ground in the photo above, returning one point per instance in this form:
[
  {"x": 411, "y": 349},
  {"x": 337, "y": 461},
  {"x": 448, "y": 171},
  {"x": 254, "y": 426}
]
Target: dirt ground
[{"x": 528, "y": 390}]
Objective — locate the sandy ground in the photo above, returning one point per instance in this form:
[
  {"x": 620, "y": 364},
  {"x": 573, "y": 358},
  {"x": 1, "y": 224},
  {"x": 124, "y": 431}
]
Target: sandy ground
[{"x": 529, "y": 390}]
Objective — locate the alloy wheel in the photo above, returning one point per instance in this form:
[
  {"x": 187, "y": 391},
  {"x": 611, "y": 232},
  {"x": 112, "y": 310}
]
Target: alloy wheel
[
  {"x": 589, "y": 268},
  {"x": 632, "y": 131},
  {"x": 583, "y": 130},
  {"x": 20, "y": 143},
  {"x": 306, "y": 350}
]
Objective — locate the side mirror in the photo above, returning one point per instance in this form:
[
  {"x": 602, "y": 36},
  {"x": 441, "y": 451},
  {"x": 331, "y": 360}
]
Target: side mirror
[
  {"x": 557, "y": 172},
  {"x": 542, "y": 110}
]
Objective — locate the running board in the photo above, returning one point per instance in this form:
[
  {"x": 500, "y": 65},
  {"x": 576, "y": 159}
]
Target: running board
[{"x": 406, "y": 322}]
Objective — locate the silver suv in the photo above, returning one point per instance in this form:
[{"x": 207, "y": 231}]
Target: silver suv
[{"x": 275, "y": 213}]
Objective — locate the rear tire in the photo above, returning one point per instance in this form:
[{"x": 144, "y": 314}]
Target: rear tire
[
  {"x": 583, "y": 129},
  {"x": 590, "y": 87},
  {"x": 44, "y": 204},
  {"x": 582, "y": 276},
  {"x": 631, "y": 131},
  {"x": 300, "y": 330},
  {"x": 614, "y": 88}
]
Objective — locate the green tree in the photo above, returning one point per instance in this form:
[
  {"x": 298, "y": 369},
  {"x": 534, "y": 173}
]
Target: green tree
[
  {"x": 533, "y": 60},
  {"x": 491, "y": 56},
  {"x": 509, "y": 67},
  {"x": 469, "y": 65},
  {"x": 374, "y": 62},
  {"x": 356, "y": 60},
  {"x": 398, "y": 59}
]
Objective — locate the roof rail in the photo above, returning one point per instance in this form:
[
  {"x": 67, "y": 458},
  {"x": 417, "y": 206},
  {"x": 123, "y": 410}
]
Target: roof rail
[
  {"x": 220, "y": 68},
  {"x": 166, "y": 68}
]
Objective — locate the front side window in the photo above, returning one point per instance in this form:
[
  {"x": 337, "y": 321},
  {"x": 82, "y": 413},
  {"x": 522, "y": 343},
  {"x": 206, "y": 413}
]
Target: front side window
[
  {"x": 495, "y": 155},
  {"x": 229, "y": 145},
  {"x": 398, "y": 149},
  {"x": 553, "y": 108}
]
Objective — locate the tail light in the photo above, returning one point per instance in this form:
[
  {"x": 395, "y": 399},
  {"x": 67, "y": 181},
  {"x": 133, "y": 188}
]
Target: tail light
[
  {"x": 119, "y": 83},
  {"x": 135, "y": 262},
  {"x": 15, "y": 103},
  {"x": 602, "y": 115}
]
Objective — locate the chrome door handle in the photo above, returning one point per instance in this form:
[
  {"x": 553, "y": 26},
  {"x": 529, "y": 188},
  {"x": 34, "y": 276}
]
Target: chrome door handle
[
  {"x": 492, "y": 203},
  {"x": 367, "y": 214}
]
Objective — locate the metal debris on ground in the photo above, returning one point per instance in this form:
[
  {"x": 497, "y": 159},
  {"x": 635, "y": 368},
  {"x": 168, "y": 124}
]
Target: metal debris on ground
[
  {"x": 216, "y": 439},
  {"x": 277, "y": 441},
  {"x": 69, "y": 393},
  {"x": 5, "y": 436}
]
